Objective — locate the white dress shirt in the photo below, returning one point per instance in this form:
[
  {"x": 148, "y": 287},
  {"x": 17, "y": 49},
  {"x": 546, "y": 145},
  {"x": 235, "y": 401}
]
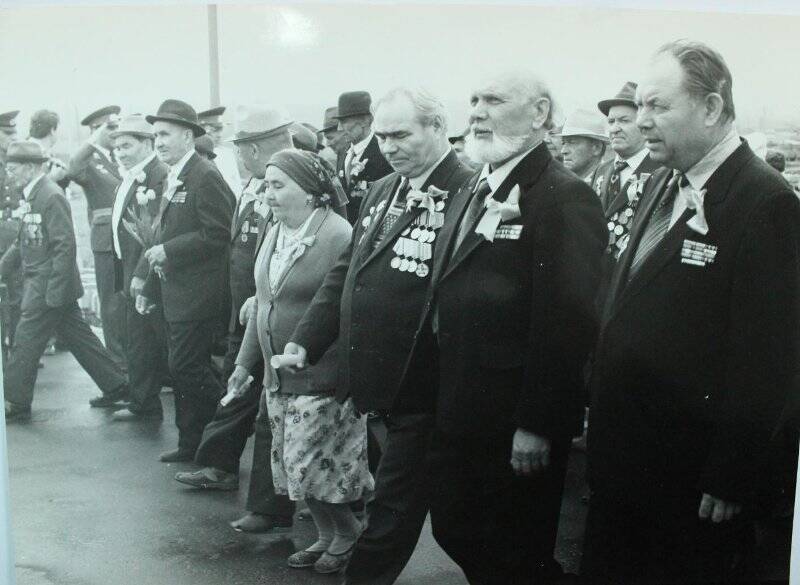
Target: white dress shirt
[
  {"x": 128, "y": 177},
  {"x": 249, "y": 193},
  {"x": 633, "y": 163},
  {"x": 496, "y": 177},
  {"x": 176, "y": 169},
  {"x": 702, "y": 170}
]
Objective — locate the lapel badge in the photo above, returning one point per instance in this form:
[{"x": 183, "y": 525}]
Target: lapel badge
[{"x": 698, "y": 253}]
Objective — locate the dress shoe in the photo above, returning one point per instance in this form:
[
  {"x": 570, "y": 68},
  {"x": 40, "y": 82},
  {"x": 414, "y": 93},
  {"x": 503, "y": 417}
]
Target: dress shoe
[
  {"x": 333, "y": 563},
  {"x": 110, "y": 398},
  {"x": 303, "y": 559},
  {"x": 209, "y": 478},
  {"x": 259, "y": 523},
  {"x": 127, "y": 414},
  {"x": 176, "y": 456},
  {"x": 17, "y": 413}
]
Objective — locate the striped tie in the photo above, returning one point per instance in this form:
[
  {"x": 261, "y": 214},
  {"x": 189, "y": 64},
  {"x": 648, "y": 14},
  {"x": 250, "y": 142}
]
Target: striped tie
[
  {"x": 614, "y": 183},
  {"x": 659, "y": 222}
]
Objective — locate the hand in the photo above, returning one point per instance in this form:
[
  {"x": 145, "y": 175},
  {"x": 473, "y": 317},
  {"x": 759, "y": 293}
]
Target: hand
[
  {"x": 137, "y": 285},
  {"x": 143, "y": 305},
  {"x": 529, "y": 453},
  {"x": 237, "y": 383},
  {"x": 716, "y": 509},
  {"x": 244, "y": 312},
  {"x": 156, "y": 255},
  {"x": 300, "y": 352}
]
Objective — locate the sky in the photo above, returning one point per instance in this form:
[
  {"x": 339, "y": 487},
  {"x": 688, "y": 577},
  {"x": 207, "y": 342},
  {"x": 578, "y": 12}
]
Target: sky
[{"x": 299, "y": 57}]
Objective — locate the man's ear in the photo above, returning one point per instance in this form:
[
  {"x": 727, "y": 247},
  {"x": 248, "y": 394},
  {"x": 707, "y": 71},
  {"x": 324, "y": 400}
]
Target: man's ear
[{"x": 713, "y": 104}]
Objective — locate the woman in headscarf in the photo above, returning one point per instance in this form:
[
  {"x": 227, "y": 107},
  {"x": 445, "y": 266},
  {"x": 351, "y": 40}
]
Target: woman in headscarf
[{"x": 319, "y": 446}]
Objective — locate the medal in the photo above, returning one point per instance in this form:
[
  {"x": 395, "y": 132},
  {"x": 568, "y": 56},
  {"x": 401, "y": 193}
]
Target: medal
[
  {"x": 415, "y": 233},
  {"x": 618, "y": 230},
  {"x": 422, "y": 270},
  {"x": 629, "y": 212},
  {"x": 395, "y": 263},
  {"x": 403, "y": 265},
  {"x": 439, "y": 206},
  {"x": 406, "y": 231},
  {"x": 244, "y": 238},
  {"x": 623, "y": 219},
  {"x": 412, "y": 266}
]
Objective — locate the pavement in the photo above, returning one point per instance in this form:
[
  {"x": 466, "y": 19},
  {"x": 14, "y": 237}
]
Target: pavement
[{"x": 92, "y": 505}]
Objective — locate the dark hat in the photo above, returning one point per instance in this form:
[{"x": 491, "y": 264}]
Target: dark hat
[
  {"x": 625, "y": 97},
  {"x": 107, "y": 111},
  {"x": 330, "y": 122},
  {"x": 204, "y": 145},
  {"x": 25, "y": 151},
  {"x": 258, "y": 122},
  {"x": 211, "y": 116},
  {"x": 180, "y": 113},
  {"x": 457, "y": 137},
  {"x": 8, "y": 119},
  {"x": 354, "y": 103},
  {"x": 303, "y": 137}
]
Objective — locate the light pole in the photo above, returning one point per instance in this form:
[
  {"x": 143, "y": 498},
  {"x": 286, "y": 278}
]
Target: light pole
[
  {"x": 6, "y": 539},
  {"x": 213, "y": 55}
]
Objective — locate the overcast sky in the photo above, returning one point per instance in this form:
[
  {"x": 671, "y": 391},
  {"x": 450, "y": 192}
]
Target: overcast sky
[{"x": 300, "y": 57}]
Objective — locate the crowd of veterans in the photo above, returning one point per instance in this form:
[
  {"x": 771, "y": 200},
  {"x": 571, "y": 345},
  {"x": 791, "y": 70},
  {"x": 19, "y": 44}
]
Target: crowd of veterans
[{"x": 416, "y": 321}]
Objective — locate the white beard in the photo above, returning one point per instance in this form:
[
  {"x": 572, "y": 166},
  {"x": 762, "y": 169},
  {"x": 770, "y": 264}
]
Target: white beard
[{"x": 499, "y": 149}]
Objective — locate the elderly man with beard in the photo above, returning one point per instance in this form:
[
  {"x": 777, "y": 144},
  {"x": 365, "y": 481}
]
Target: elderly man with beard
[
  {"x": 372, "y": 301},
  {"x": 512, "y": 305}
]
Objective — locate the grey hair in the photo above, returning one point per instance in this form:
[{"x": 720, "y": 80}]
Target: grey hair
[{"x": 430, "y": 108}]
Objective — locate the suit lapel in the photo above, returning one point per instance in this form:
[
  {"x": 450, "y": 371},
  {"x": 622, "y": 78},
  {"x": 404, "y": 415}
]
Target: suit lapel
[
  {"x": 455, "y": 212},
  {"x": 181, "y": 177},
  {"x": 401, "y": 223}
]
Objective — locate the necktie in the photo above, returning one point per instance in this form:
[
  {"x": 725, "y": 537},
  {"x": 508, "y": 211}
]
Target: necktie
[
  {"x": 348, "y": 165},
  {"x": 615, "y": 183},
  {"x": 474, "y": 210},
  {"x": 659, "y": 222}
]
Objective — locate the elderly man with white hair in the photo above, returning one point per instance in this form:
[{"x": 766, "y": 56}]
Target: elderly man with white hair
[
  {"x": 516, "y": 270},
  {"x": 372, "y": 301}
]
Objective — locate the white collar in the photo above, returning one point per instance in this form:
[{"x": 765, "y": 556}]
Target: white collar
[
  {"x": 635, "y": 160},
  {"x": 28, "y": 189},
  {"x": 418, "y": 181},
  {"x": 249, "y": 193},
  {"x": 176, "y": 169},
  {"x": 358, "y": 148},
  {"x": 138, "y": 167},
  {"x": 496, "y": 177},
  {"x": 702, "y": 170}
]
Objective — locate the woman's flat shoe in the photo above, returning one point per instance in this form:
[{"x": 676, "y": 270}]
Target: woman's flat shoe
[
  {"x": 332, "y": 563},
  {"x": 303, "y": 559}
]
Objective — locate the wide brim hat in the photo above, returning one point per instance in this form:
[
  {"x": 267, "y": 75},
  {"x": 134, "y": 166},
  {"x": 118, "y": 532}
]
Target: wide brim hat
[
  {"x": 133, "y": 125},
  {"x": 25, "y": 151},
  {"x": 584, "y": 124},
  {"x": 354, "y": 103},
  {"x": 625, "y": 97},
  {"x": 106, "y": 111},
  {"x": 259, "y": 122},
  {"x": 177, "y": 112}
]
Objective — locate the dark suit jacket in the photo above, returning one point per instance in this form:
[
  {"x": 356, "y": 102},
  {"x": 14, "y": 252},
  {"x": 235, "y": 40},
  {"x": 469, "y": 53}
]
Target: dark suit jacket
[
  {"x": 605, "y": 170},
  {"x": 376, "y": 168},
  {"x": 133, "y": 262},
  {"x": 45, "y": 251},
  {"x": 695, "y": 363},
  {"x": 196, "y": 238},
  {"x": 372, "y": 308},
  {"x": 516, "y": 318},
  {"x": 99, "y": 178}
]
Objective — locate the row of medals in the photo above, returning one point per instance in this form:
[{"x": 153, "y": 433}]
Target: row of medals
[
  {"x": 618, "y": 225},
  {"x": 413, "y": 247}
]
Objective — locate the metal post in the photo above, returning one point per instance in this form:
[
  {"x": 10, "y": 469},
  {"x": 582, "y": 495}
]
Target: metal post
[
  {"x": 213, "y": 55},
  {"x": 6, "y": 539}
]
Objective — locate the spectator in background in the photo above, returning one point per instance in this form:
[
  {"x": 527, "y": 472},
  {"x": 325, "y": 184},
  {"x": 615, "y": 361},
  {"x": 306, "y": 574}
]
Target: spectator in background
[
  {"x": 776, "y": 160},
  {"x": 205, "y": 147},
  {"x": 44, "y": 131},
  {"x": 333, "y": 138},
  {"x": 211, "y": 121},
  {"x": 583, "y": 143}
]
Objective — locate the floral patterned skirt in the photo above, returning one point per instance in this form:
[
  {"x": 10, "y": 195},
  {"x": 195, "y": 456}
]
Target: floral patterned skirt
[{"x": 319, "y": 448}]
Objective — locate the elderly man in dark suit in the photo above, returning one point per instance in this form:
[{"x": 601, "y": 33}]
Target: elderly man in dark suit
[
  {"x": 262, "y": 132},
  {"x": 137, "y": 201},
  {"x": 189, "y": 269},
  {"x": 362, "y": 163},
  {"x": 512, "y": 306},
  {"x": 45, "y": 252},
  {"x": 699, "y": 339},
  {"x": 372, "y": 300},
  {"x": 95, "y": 169}
]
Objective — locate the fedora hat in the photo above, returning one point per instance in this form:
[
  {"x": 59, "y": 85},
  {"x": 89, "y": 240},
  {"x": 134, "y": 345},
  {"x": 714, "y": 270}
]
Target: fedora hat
[
  {"x": 585, "y": 124},
  {"x": 97, "y": 114},
  {"x": 303, "y": 137},
  {"x": 134, "y": 125},
  {"x": 330, "y": 122},
  {"x": 257, "y": 122},
  {"x": 25, "y": 151},
  {"x": 353, "y": 103},
  {"x": 625, "y": 97},
  {"x": 180, "y": 113}
]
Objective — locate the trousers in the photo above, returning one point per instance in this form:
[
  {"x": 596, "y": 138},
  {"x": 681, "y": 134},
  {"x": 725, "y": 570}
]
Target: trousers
[
  {"x": 146, "y": 351},
  {"x": 112, "y": 307}
]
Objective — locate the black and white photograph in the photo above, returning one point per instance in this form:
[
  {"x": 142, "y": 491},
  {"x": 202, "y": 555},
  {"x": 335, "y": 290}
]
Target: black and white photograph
[{"x": 414, "y": 293}]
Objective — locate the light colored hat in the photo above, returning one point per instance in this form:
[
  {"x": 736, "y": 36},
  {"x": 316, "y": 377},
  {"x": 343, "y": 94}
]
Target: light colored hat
[
  {"x": 136, "y": 125},
  {"x": 257, "y": 122},
  {"x": 25, "y": 151},
  {"x": 586, "y": 124}
]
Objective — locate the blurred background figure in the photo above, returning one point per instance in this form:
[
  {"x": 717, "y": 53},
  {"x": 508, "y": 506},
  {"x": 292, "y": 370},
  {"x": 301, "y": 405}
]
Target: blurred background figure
[
  {"x": 211, "y": 122},
  {"x": 43, "y": 130},
  {"x": 205, "y": 147},
  {"x": 553, "y": 141},
  {"x": 303, "y": 138},
  {"x": 458, "y": 142},
  {"x": 583, "y": 144},
  {"x": 333, "y": 139}
]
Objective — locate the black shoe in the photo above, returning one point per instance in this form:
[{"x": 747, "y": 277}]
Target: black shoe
[
  {"x": 126, "y": 414},
  {"x": 110, "y": 398},
  {"x": 260, "y": 523},
  {"x": 17, "y": 413},
  {"x": 176, "y": 456}
]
